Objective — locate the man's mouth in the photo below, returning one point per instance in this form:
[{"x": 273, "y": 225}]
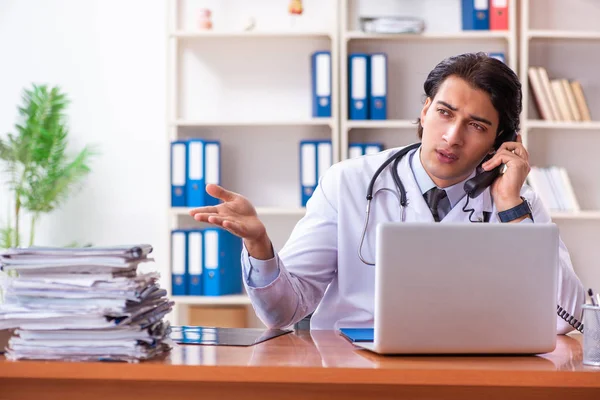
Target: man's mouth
[{"x": 446, "y": 157}]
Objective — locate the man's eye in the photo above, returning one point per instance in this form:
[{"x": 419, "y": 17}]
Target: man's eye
[
  {"x": 443, "y": 112},
  {"x": 478, "y": 127}
]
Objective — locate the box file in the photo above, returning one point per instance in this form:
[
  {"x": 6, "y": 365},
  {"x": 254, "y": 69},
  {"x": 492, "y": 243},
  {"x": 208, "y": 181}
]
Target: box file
[
  {"x": 222, "y": 273},
  {"x": 195, "y": 262},
  {"x": 358, "y": 90},
  {"x": 321, "y": 84},
  {"x": 179, "y": 262},
  {"x": 178, "y": 173},
  {"x": 378, "y": 86},
  {"x": 475, "y": 15}
]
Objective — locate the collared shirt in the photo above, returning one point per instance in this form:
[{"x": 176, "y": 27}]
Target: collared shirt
[{"x": 454, "y": 193}]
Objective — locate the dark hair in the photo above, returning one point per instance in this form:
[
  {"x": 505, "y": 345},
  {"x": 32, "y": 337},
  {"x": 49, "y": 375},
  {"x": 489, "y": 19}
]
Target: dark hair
[{"x": 485, "y": 73}]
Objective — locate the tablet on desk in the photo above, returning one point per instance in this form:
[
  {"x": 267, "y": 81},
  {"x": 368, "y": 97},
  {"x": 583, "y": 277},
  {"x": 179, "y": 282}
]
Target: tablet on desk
[
  {"x": 223, "y": 336},
  {"x": 358, "y": 334}
]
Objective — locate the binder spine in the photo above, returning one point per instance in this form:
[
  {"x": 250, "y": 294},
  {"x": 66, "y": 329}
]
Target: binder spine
[
  {"x": 324, "y": 157},
  {"x": 195, "y": 173},
  {"x": 212, "y": 157},
  {"x": 499, "y": 15},
  {"x": 372, "y": 148},
  {"x": 321, "y": 84},
  {"x": 358, "y": 90},
  {"x": 355, "y": 150},
  {"x": 378, "y": 85},
  {"x": 308, "y": 170},
  {"x": 195, "y": 263},
  {"x": 179, "y": 262},
  {"x": 178, "y": 174},
  {"x": 211, "y": 274},
  {"x": 475, "y": 15},
  {"x": 233, "y": 263},
  {"x": 222, "y": 273}
]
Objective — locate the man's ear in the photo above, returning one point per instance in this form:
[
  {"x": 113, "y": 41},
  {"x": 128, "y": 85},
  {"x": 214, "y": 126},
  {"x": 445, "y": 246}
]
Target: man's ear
[{"x": 425, "y": 108}]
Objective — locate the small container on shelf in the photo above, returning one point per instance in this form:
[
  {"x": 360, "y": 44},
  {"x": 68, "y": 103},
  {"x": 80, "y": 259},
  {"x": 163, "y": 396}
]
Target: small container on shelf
[{"x": 204, "y": 19}]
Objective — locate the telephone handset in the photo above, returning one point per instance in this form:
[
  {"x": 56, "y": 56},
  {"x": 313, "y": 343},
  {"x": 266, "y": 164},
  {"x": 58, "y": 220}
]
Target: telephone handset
[{"x": 474, "y": 186}]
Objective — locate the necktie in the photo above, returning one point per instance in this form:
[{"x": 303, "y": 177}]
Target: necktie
[{"x": 433, "y": 197}]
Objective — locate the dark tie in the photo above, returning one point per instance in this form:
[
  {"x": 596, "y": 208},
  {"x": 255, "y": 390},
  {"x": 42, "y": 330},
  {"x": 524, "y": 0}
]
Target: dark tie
[{"x": 433, "y": 198}]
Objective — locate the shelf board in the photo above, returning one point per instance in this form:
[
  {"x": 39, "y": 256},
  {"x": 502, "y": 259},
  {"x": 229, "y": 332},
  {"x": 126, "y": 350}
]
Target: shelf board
[
  {"x": 262, "y": 211},
  {"x": 579, "y": 215},
  {"x": 290, "y": 122},
  {"x": 386, "y": 123},
  {"x": 556, "y": 34},
  {"x": 249, "y": 34},
  {"x": 462, "y": 35},
  {"x": 228, "y": 300},
  {"x": 543, "y": 124}
]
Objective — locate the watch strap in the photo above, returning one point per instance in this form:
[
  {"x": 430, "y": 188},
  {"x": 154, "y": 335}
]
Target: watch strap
[{"x": 516, "y": 212}]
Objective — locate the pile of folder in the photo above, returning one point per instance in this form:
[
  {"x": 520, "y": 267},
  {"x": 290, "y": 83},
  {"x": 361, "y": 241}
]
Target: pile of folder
[{"x": 83, "y": 304}]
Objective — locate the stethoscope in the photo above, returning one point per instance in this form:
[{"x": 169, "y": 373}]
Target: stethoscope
[{"x": 395, "y": 158}]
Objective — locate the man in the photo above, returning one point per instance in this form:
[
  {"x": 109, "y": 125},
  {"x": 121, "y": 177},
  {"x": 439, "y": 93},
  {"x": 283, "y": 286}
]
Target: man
[{"x": 472, "y": 102}]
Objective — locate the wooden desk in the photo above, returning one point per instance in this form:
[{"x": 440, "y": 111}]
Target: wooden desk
[{"x": 316, "y": 365}]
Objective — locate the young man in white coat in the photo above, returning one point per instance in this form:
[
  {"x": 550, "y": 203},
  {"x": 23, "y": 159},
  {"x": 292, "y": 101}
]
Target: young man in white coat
[{"x": 472, "y": 102}]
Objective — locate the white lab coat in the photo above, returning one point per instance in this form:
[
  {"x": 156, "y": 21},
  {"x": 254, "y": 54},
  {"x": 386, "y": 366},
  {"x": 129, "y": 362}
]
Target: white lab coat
[{"x": 319, "y": 267}]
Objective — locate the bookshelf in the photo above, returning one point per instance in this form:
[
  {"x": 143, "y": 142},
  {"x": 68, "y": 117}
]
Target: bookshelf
[
  {"x": 251, "y": 90},
  {"x": 410, "y": 58},
  {"x": 261, "y": 211},
  {"x": 263, "y": 123},
  {"x": 250, "y": 34},
  {"x": 564, "y": 38},
  {"x": 223, "y": 85},
  {"x": 563, "y": 34}
]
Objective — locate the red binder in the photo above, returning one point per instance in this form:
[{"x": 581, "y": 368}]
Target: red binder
[{"x": 499, "y": 15}]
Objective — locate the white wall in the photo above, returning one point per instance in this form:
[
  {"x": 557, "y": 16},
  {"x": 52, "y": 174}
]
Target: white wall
[{"x": 109, "y": 56}]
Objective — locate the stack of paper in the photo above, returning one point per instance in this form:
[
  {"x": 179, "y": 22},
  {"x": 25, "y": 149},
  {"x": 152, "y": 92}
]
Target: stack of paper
[{"x": 83, "y": 304}]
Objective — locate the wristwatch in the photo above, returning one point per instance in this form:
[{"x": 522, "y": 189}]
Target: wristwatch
[{"x": 516, "y": 212}]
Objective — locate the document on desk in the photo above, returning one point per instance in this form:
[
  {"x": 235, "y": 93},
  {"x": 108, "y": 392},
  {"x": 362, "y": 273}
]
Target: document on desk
[{"x": 83, "y": 305}]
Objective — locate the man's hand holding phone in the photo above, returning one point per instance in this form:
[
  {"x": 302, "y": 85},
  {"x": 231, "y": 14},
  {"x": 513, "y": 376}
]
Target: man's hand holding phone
[{"x": 506, "y": 190}]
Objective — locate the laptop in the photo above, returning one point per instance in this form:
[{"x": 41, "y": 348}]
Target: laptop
[{"x": 457, "y": 288}]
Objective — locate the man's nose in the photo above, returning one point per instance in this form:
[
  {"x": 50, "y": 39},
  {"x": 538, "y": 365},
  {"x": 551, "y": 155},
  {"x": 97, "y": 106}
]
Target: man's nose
[{"x": 453, "y": 135}]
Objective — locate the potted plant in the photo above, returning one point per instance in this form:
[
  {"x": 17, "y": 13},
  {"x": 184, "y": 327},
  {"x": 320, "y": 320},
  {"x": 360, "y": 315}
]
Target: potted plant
[{"x": 41, "y": 173}]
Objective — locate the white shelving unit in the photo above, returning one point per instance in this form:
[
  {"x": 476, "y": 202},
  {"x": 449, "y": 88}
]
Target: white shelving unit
[
  {"x": 251, "y": 90},
  {"x": 307, "y": 122},
  {"x": 228, "y": 300},
  {"x": 261, "y": 211},
  {"x": 250, "y": 34},
  {"x": 564, "y": 37},
  {"x": 410, "y": 58},
  {"x": 462, "y": 35},
  {"x": 561, "y": 34}
]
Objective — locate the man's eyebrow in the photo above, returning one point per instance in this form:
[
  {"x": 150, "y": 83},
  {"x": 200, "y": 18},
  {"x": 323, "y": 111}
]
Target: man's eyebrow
[
  {"x": 442, "y": 102},
  {"x": 475, "y": 117}
]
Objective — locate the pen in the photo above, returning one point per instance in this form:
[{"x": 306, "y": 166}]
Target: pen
[{"x": 591, "y": 294}]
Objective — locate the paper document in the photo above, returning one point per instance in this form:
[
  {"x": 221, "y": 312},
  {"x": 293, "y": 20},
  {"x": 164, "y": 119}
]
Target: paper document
[{"x": 84, "y": 304}]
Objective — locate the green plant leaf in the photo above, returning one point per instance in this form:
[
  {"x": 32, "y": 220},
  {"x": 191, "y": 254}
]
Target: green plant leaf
[
  {"x": 6, "y": 237},
  {"x": 41, "y": 173}
]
